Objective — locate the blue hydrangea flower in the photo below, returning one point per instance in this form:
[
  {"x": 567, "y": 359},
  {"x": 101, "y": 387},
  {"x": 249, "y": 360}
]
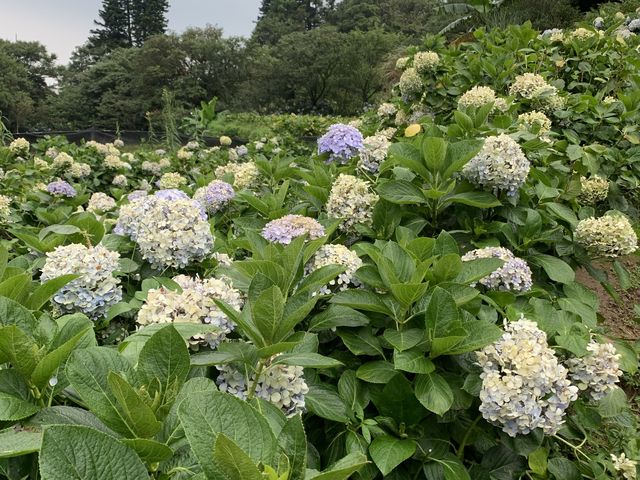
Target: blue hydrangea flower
[
  {"x": 61, "y": 188},
  {"x": 341, "y": 142},
  {"x": 215, "y": 196}
]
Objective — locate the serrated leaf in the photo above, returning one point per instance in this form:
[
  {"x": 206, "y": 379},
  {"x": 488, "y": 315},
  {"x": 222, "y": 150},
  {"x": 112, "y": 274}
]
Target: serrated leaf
[
  {"x": 389, "y": 452},
  {"x": 434, "y": 393}
]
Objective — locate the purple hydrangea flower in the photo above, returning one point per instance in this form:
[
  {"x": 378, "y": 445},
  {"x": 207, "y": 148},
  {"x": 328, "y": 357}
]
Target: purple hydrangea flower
[
  {"x": 137, "y": 194},
  {"x": 341, "y": 141},
  {"x": 286, "y": 228},
  {"x": 171, "y": 194},
  {"x": 61, "y": 188},
  {"x": 215, "y": 196}
]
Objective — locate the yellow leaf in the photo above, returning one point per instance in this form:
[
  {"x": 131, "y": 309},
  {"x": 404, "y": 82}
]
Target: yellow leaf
[{"x": 412, "y": 130}]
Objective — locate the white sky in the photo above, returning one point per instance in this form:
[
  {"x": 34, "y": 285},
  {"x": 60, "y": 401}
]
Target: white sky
[{"x": 61, "y": 25}]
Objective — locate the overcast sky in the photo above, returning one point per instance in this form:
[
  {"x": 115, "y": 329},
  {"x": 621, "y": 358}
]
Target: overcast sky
[{"x": 64, "y": 24}]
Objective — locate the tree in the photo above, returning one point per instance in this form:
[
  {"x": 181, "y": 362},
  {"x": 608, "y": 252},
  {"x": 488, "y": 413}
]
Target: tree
[{"x": 148, "y": 18}]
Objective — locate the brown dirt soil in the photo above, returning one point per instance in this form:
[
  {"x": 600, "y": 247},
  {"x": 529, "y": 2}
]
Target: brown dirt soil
[{"x": 618, "y": 318}]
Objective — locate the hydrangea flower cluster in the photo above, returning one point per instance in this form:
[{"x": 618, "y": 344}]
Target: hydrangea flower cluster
[
  {"x": 500, "y": 165},
  {"x": 425, "y": 61},
  {"x": 195, "y": 304},
  {"x": 171, "y": 180},
  {"x": 351, "y": 201},
  {"x": 535, "y": 120},
  {"x": 215, "y": 196},
  {"x": 523, "y": 385},
  {"x": 402, "y": 63},
  {"x": 60, "y": 188},
  {"x": 101, "y": 202},
  {"x": 79, "y": 170},
  {"x": 477, "y": 96},
  {"x": 62, "y": 160},
  {"x": 120, "y": 181},
  {"x": 607, "y": 236},
  {"x": 553, "y": 34},
  {"x": 245, "y": 175},
  {"x": 282, "y": 385},
  {"x": 581, "y": 34},
  {"x": 593, "y": 190},
  {"x": 41, "y": 164},
  {"x": 5, "y": 208},
  {"x": 341, "y": 142},
  {"x": 374, "y": 152},
  {"x": 598, "y": 371},
  {"x": 624, "y": 465},
  {"x": 20, "y": 146},
  {"x": 335, "y": 255},
  {"x": 95, "y": 290},
  {"x": 410, "y": 83},
  {"x": 530, "y": 86},
  {"x": 114, "y": 162},
  {"x": 184, "y": 154},
  {"x": 283, "y": 230},
  {"x": 169, "y": 228},
  {"x": 514, "y": 275},
  {"x": 225, "y": 141},
  {"x": 155, "y": 168},
  {"x": 387, "y": 110}
]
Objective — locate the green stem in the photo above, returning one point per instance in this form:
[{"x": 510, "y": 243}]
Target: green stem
[
  {"x": 463, "y": 444},
  {"x": 575, "y": 448},
  {"x": 254, "y": 384}
]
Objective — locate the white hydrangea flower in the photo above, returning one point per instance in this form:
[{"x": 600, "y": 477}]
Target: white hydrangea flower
[
  {"x": 593, "y": 190},
  {"x": 402, "y": 62},
  {"x": 101, "y": 202},
  {"x": 20, "y": 146},
  {"x": 184, "y": 154},
  {"x": 282, "y": 385},
  {"x": 609, "y": 100},
  {"x": 530, "y": 86},
  {"x": 374, "y": 152},
  {"x": 387, "y": 110},
  {"x": 352, "y": 201},
  {"x": 171, "y": 180},
  {"x": 553, "y": 34},
  {"x": 118, "y": 143},
  {"x": 523, "y": 385},
  {"x": 95, "y": 290},
  {"x": 388, "y": 133},
  {"x": 608, "y": 236},
  {"x": 41, "y": 164},
  {"x": 582, "y": 34},
  {"x": 195, "y": 304},
  {"x": 114, "y": 162},
  {"x": 500, "y": 165},
  {"x": 120, "y": 181},
  {"x": 335, "y": 255},
  {"x": 5, "y": 208},
  {"x": 62, "y": 160},
  {"x": 425, "y": 61},
  {"x": 79, "y": 170},
  {"x": 598, "y": 371},
  {"x": 514, "y": 275},
  {"x": 535, "y": 120},
  {"x": 477, "y": 96},
  {"x": 245, "y": 175},
  {"x": 225, "y": 141},
  {"x": 410, "y": 83},
  {"x": 624, "y": 465}
]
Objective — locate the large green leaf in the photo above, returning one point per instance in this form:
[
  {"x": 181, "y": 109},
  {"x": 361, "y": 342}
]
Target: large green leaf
[
  {"x": 389, "y": 452},
  {"x": 401, "y": 192},
  {"x": 15, "y": 443},
  {"x": 138, "y": 415},
  {"x": 234, "y": 463},
  {"x": 71, "y": 452},
  {"x": 556, "y": 269},
  {"x": 204, "y": 416},
  {"x": 342, "y": 469},
  {"x": 267, "y": 311},
  {"x": 326, "y": 403},
  {"x": 42, "y": 293},
  {"x": 434, "y": 393},
  {"x": 19, "y": 350},
  {"x": 13, "y": 408},
  {"x": 293, "y": 442}
]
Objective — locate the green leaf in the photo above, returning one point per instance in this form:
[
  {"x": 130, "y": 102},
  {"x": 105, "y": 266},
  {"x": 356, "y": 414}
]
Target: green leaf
[
  {"x": 342, "y": 469},
  {"x": 538, "y": 461},
  {"x": 413, "y": 361},
  {"x": 434, "y": 393},
  {"x": 15, "y": 443},
  {"x": 389, "y": 452},
  {"x": 474, "y": 199},
  {"x": 404, "y": 339},
  {"x": 563, "y": 469},
  {"x": 205, "y": 415},
  {"x": 556, "y": 269},
  {"x": 362, "y": 300},
  {"x": 88, "y": 370},
  {"x": 451, "y": 468},
  {"x": 309, "y": 360},
  {"x": 401, "y": 192},
  {"x": 474, "y": 270},
  {"x": 137, "y": 414},
  {"x": 148, "y": 450},
  {"x": 4, "y": 258},
  {"x": 613, "y": 403},
  {"x": 326, "y": 403},
  {"x": 46, "y": 368},
  {"x": 267, "y": 311},
  {"x": 293, "y": 442},
  {"x": 42, "y": 293},
  {"x": 434, "y": 150},
  {"x": 163, "y": 365},
  {"x": 12, "y": 313},
  {"x": 447, "y": 267},
  {"x": 63, "y": 415},
  {"x": 442, "y": 313},
  {"x": 376, "y": 372},
  {"x": 81, "y": 453},
  {"x": 232, "y": 461},
  {"x": 337, "y": 316},
  {"x": 13, "y": 408},
  {"x": 19, "y": 350},
  {"x": 16, "y": 287},
  {"x": 361, "y": 342}
]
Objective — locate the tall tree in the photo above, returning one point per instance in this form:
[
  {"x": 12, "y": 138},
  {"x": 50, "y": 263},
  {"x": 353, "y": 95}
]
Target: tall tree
[
  {"x": 148, "y": 17},
  {"x": 114, "y": 26}
]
